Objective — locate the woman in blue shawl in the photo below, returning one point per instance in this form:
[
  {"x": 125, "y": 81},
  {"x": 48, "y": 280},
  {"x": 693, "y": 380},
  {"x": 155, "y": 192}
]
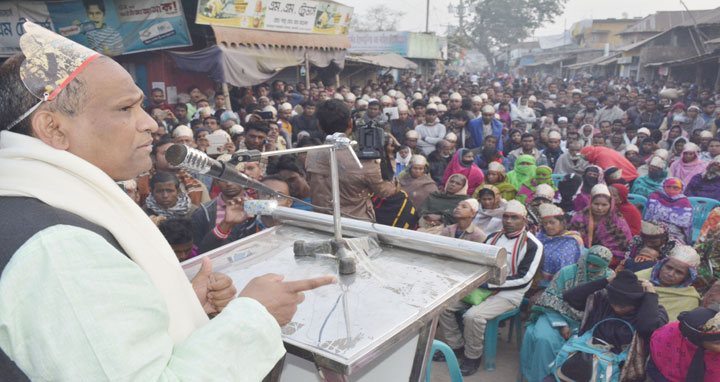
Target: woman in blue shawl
[{"x": 552, "y": 320}]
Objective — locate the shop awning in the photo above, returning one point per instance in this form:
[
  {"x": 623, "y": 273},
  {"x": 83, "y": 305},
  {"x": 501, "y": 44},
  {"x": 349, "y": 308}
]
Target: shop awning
[
  {"x": 388, "y": 60},
  {"x": 712, "y": 56},
  {"x": 233, "y": 37},
  {"x": 251, "y": 65}
]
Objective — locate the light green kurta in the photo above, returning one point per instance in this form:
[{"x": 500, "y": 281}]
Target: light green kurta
[{"x": 73, "y": 308}]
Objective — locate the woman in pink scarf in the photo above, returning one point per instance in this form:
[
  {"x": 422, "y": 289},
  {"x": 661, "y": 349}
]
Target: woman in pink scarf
[
  {"x": 463, "y": 162},
  {"x": 687, "y": 349},
  {"x": 688, "y": 165}
]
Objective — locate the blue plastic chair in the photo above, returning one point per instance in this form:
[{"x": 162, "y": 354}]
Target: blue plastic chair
[
  {"x": 491, "y": 335},
  {"x": 452, "y": 362},
  {"x": 638, "y": 201},
  {"x": 701, "y": 209},
  {"x": 556, "y": 178}
]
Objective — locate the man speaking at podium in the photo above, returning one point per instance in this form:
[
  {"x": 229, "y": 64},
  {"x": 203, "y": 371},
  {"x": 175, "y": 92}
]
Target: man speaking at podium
[{"x": 89, "y": 289}]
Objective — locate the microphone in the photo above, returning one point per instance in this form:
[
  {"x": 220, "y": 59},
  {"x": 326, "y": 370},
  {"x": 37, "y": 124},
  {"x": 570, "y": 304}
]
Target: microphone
[{"x": 196, "y": 161}]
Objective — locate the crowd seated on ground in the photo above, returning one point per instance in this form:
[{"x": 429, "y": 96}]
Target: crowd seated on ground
[{"x": 591, "y": 184}]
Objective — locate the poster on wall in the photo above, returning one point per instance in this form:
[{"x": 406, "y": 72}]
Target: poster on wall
[
  {"x": 106, "y": 26},
  {"x": 298, "y": 16}
]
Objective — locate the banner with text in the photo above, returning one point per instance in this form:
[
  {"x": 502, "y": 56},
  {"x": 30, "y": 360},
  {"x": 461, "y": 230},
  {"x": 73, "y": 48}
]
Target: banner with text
[
  {"x": 298, "y": 16},
  {"x": 107, "y": 26}
]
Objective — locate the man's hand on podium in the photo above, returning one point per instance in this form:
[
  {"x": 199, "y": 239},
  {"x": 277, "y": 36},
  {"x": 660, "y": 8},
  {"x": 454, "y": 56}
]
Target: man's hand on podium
[{"x": 282, "y": 298}]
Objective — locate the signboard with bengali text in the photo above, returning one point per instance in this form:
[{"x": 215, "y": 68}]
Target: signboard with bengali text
[{"x": 295, "y": 16}]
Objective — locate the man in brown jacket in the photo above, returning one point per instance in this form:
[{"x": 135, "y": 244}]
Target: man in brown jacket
[{"x": 356, "y": 184}]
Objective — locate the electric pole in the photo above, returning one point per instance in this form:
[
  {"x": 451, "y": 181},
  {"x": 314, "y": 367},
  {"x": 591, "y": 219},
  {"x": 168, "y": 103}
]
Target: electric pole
[{"x": 427, "y": 16}]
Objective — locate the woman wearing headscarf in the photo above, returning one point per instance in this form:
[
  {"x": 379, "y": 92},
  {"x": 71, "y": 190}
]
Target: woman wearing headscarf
[
  {"x": 543, "y": 175},
  {"x": 688, "y": 349},
  {"x": 402, "y": 159},
  {"x": 677, "y": 148},
  {"x": 437, "y": 209},
  {"x": 673, "y": 278},
  {"x": 670, "y": 136},
  {"x": 464, "y": 229},
  {"x": 601, "y": 223},
  {"x": 492, "y": 206},
  {"x": 514, "y": 141},
  {"x": 607, "y": 157},
  {"x": 670, "y": 206},
  {"x": 523, "y": 171},
  {"x": 656, "y": 174},
  {"x": 654, "y": 235},
  {"x": 552, "y": 320},
  {"x": 561, "y": 247},
  {"x": 463, "y": 163},
  {"x": 415, "y": 180},
  {"x": 631, "y": 214},
  {"x": 622, "y": 296},
  {"x": 706, "y": 184},
  {"x": 708, "y": 248},
  {"x": 496, "y": 177},
  {"x": 593, "y": 176},
  {"x": 688, "y": 165},
  {"x": 523, "y": 113}
]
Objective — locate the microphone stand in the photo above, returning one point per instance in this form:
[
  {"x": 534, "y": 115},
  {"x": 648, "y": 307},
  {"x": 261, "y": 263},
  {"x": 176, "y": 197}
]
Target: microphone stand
[{"x": 332, "y": 144}]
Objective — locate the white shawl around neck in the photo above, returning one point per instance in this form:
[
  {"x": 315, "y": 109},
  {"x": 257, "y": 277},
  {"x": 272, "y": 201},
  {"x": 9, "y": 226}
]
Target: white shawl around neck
[{"x": 30, "y": 168}]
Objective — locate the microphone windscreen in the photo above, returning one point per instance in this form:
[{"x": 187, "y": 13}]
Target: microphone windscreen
[{"x": 176, "y": 154}]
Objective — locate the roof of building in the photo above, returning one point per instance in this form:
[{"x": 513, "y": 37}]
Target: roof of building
[{"x": 662, "y": 21}]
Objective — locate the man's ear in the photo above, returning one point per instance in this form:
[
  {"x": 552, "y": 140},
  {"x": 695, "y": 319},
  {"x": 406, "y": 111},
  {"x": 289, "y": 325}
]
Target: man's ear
[
  {"x": 349, "y": 129},
  {"x": 46, "y": 126}
]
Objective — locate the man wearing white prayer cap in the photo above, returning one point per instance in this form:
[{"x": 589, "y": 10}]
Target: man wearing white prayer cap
[
  {"x": 484, "y": 126},
  {"x": 91, "y": 290},
  {"x": 476, "y": 106},
  {"x": 183, "y": 135},
  {"x": 454, "y": 103},
  {"x": 524, "y": 253}
]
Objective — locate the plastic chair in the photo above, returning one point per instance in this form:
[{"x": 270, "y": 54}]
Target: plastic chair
[
  {"x": 452, "y": 362},
  {"x": 638, "y": 201},
  {"x": 701, "y": 209},
  {"x": 556, "y": 178},
  {"x": 491, "y": 335}
]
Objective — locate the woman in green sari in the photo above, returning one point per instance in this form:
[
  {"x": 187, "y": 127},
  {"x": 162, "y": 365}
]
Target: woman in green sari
[
  {"x": 552, "y": 321},
  {"x": 523, "y": 171}
]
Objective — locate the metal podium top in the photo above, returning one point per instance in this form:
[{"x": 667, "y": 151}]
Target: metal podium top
[{"x": 345, "y": 326}]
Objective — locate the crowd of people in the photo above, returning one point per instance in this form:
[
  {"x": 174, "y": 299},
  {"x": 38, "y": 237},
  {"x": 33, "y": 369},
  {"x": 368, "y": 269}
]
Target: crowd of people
[{"x": 543, "y": 167}]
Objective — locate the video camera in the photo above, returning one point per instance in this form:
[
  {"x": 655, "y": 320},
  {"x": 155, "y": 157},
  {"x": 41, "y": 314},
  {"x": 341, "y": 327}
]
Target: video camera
[{"x": 370, "y": 138}]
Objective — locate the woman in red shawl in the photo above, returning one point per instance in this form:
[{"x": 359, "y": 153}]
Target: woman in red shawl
[
  {"x": 463, "y": 162},
  {"x": 606, "y": 157},
  {"x": 631, "y": 214}
]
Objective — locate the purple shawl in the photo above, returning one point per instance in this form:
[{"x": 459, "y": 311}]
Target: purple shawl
[
  {"x": 675, "y": 211},
  {"x": 612, "y": 231}
]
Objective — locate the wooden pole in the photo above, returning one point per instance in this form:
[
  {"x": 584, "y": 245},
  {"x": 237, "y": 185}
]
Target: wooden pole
[
  {"x": 307, "y": 71},
  {"x": 226, "y": 93}
]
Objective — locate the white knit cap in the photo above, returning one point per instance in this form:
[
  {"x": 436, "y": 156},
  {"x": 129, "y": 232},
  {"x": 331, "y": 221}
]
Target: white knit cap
[
  {"x": 488, "y": 109},
  {"x": 548, "y": 209},
  {"x": 182, "y": 131},
  {"x": 402, "y": 107},
  {"x": 562, "y": 119},
  {"x": 285, "y": 106},
  {"x": 686, "y": 254},
  {"x": 644, "y": 130},
  {"x": 451, "y": 137},
  {"x": 338, "y": 96},
  {"x": 554, "y": 135},
  {"x": 497, "y": 167},
  {"x": 349, "y": 97},
  {"x": 236, "y": 130},
  {"x": 400, "y": 95},
  {"x": 483, "y": 96},
  {"x": 270, "y": 108},
  {"x": 222, "y": 132},
  {"x": 658, "y": 162},
  {"x": 474, "y": 204},
  {"x": 516, "y": 208},
  {"x": 418, "y": 159},
  {"x": 412, "y": 134},
  {"x": 362, "y": 103},
  {"x": 544, "y": 191},
  {"x": 431, "y": 106},
  {"x": 441, "y": 107},
  {"x": 706, "y": 134},
  {"x": 386, "y": 98},
  {"x": 391, "y": 92},
  {"x": 600, "y": 189},
  {"x": 632, "y": 148},
  {"x": 436, "y": 100},
  {"x": 691, "y": 147},
  {"x": 417, "y": 95},
  {"x": 401, "y": 101},
  {"x": 476, "y": 99},
  {"x": 532, "y": 98},
  {"x": 456, "y": 96},
  {"x": 662, "y": 153}
]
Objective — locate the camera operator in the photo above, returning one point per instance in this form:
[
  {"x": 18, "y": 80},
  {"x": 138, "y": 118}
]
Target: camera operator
[
  {"x": 375, "y": 116},
  {"x": 356, "y": 184}
]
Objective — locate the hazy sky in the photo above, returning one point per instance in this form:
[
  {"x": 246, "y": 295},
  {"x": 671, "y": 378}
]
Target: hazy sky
[{"x": 575, "y": 10}]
